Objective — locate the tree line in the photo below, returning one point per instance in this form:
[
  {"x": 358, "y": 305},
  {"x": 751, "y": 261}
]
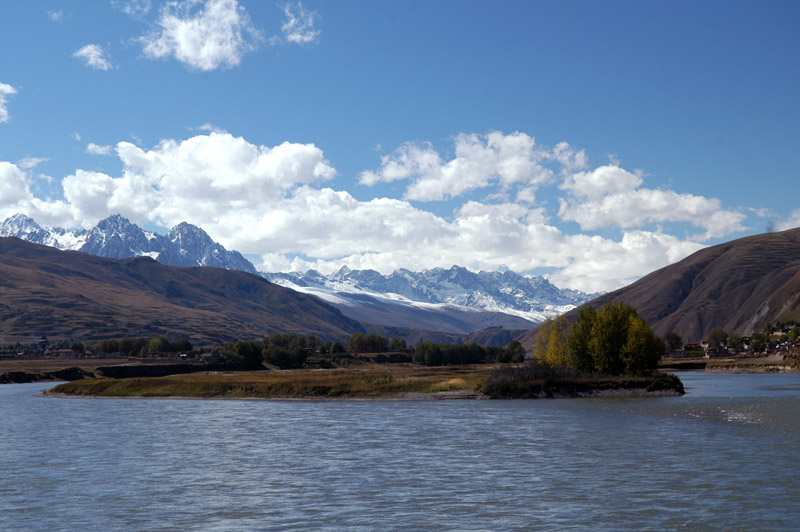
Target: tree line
[{"x": 613, "y": 340}]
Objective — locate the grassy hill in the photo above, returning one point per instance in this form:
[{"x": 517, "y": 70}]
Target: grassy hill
[{"x": 71, "y": 294}]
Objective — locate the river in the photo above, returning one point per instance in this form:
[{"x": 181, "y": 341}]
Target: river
[{"x": 726, "y": 456}]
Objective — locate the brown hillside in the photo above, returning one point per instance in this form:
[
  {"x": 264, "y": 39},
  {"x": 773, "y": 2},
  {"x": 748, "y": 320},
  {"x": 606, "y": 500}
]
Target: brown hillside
[
  {"x": 740, "y": 285},
  {"x": 71, "y": 294}
]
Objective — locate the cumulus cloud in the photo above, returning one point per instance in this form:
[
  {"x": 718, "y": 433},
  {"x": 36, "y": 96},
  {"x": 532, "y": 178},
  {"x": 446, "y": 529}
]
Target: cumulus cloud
[
  {"x": 213, "y": 36},
  {"x": 16, "y": 197},
  {"x": 480, "y": 160},
  {"x": 56, "y": 16},
  {"x": 96, "y": 149},
  {"x": 299, "y": 26},
  {"x": 199, "y": 179},
  {"x": 93, "y": 56},
  {"x": 280, "y": 203},
  {"x": 610, "y": 196},
  {"x": 6, "y": 90}
]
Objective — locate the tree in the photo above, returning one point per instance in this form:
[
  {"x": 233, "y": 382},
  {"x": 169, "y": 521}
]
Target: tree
[
  {"x": 337, "y": 348},
  {"x": 610, "y": 336},
  {"x": 542, "y": 339},
  {"x": 579, "y": 340},
  {"x": 735, "y": 341},
  {"x": 160, "y": 345},
  {"x": 516, "y": 353},
  {"x": 673, "y": 341},
  {"x": 557, "y": 342},
  {"x": 642, "y": 349},
  {"x": 248, "y": 352},
  {"x": 757, "y": 342},
  {"x": 717, "y": 339},
  {"x": 397, "y": 344}
]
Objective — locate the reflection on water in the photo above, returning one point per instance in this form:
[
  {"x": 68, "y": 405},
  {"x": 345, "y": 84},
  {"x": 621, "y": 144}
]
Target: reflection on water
[{"x": 723, "y": 457}]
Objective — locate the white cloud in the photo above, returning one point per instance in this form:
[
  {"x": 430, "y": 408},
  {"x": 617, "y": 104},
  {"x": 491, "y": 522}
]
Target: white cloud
[
  {"x": 791, "y": 222},
  {"x": 56, "y": 16},
  {"x": 96, "y": 149},
  {"x": 94, "y": 57},
  {"x": 216, "y": 35},
  {"x": 76, "y": 136},
  {"x": 198, "y": 180},
  {"x": 480, "y": 160},
  {"x": 610, "y": 196},
  {"x": 134, "y": 8},
  {"x": 6, "y": 90},
  {"x": 299, "y": 26},
  {"x": 16, "y": 197},
  {"x": 278, "y": 202},
  {"x": 31, "y": 162}
]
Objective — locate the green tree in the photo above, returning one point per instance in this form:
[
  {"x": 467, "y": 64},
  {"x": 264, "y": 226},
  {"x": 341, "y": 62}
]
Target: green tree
[
  {"x": 160, "y": 345},
  {"x": 610, "y": 336},
  {"x": 248, "y": 352},
  {"x": 337, "y": 348},
  {"x": 717, "y": 339},
  {"x": 643, "y": 349},
  {"x": 579, "y": 341},
  {"x": 735, "y": 341},
  {"x": 516, "y": 353},
  {"x": 397, "y": 344},
  {"x": 758, "y": 342},
  {"x": 673, "y": 341}
]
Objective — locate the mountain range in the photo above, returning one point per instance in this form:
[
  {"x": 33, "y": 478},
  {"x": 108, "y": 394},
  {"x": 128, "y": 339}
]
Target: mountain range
[
  {"x": 740, "y": 286},
  {"x": 454, "y": 301},
  {"x": 117, "y": 238}
]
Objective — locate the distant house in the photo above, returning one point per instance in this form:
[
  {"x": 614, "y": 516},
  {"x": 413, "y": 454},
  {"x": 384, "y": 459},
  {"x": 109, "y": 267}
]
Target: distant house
[{"x": 63, "y": 353}]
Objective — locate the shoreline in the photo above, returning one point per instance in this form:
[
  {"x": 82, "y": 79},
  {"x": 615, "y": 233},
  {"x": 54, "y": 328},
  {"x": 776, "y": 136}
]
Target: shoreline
[{"x": 634, "y": 393}]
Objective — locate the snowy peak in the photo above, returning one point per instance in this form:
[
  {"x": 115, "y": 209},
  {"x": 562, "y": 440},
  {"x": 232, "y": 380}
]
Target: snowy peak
[
  {"x": 185, "y": 237},
  {"x": 119, "y": 238},
  {"x": 533, "y": 298},
  {"x": 116, "y": 237},
  {"x": 19, "y": 225},
  {"x": 26, "y": 228}
]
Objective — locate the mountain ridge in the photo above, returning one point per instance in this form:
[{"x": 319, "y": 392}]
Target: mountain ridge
[{"x": 71, "y": 294}]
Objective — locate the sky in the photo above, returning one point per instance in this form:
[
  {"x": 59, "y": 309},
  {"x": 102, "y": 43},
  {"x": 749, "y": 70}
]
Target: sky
[{"x": 590, "y": 142}]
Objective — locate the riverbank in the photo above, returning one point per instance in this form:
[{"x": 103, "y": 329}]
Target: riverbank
[{"x": 376, "y": 382}]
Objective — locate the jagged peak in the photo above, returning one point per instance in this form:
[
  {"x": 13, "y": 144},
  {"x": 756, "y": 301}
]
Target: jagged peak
[{"x": 20, "y": 221}]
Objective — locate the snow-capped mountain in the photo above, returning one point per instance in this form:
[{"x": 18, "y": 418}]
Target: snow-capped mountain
[
  {"x": 26, "y": 228},
  {"x": 117, "y": 237},
  {"x": 453, "y": 300},
  {"x": 531, "y": 298}
]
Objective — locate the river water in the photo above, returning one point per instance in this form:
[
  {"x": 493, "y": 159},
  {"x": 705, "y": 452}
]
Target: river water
[{"x": 724, "y": 457}]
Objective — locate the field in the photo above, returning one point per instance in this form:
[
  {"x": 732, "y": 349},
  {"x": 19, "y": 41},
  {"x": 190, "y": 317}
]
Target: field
[{"x": 386, "y": 381}]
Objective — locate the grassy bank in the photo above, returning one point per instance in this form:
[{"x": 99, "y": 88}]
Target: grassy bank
[{"x": 395, "y": 381}]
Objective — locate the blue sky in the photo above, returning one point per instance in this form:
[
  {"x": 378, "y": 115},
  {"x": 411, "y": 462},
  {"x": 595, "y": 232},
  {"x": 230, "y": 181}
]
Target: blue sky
[{"x": 591, "y": 141}]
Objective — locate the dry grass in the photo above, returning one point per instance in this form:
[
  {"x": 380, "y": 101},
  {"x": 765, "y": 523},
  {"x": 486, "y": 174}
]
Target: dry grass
[{"x": 363, "y": 382}]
